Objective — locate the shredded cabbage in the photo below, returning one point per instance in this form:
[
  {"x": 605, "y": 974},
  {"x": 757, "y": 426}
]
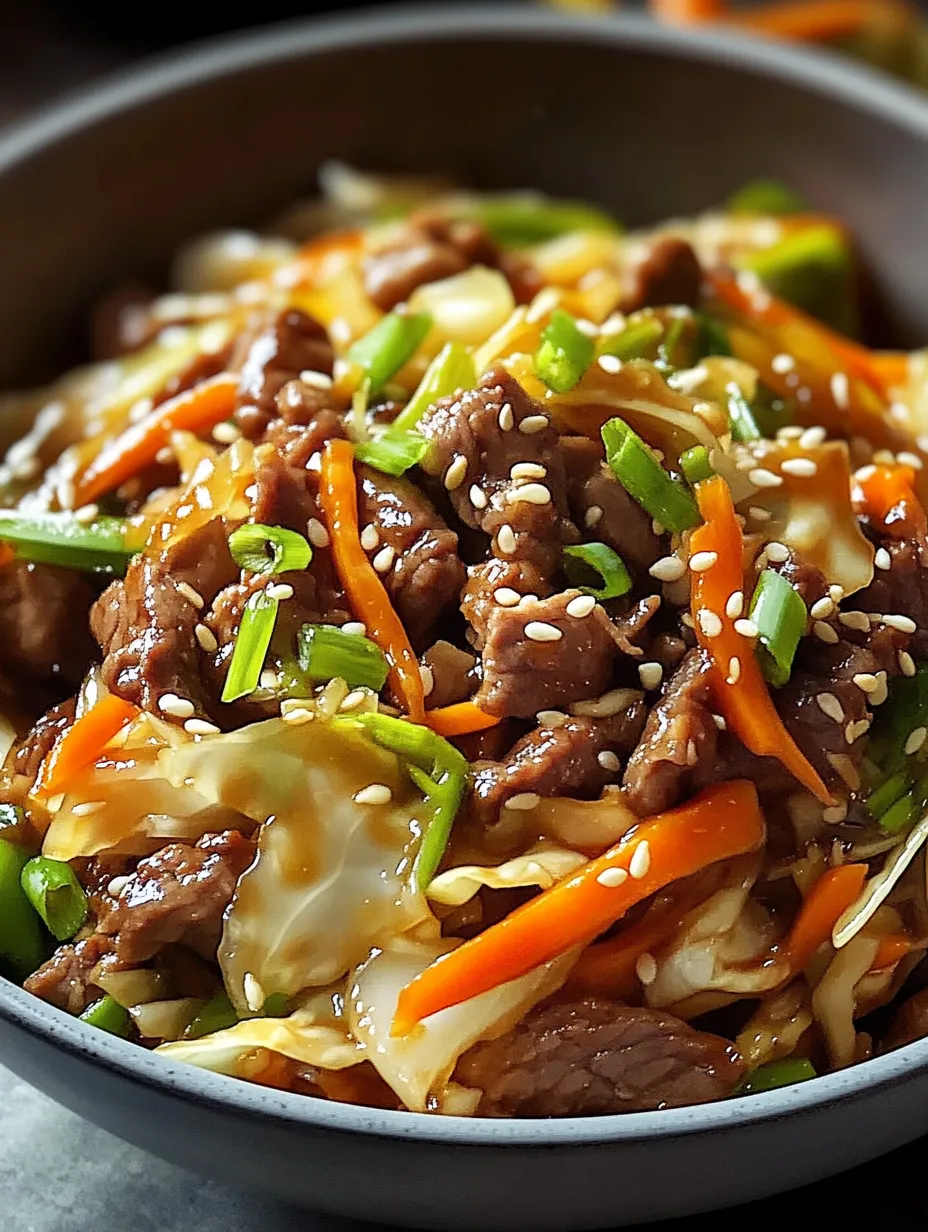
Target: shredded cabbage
[
  {"x": 540, "y": 866},
  {"x": 878, "y": 888}
]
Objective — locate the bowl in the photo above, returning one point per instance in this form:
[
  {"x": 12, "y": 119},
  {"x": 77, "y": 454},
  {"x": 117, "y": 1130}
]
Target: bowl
[{"x": 648, "y": 121}]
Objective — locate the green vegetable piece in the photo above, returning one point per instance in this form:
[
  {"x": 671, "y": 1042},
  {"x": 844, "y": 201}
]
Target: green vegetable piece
[
  {"x": 695, "y": 465},
  {"x": 638, "y": 340},
  {"x": 712, "y": 336},
  {"x": 812, "y": 268},
  {"x": 517, "y": 220},
  {"x": 765, "y": 197},
  {"x": 452, "y": 369},
  {"x": 216, "y": 1015},
  {"x": 56, "y": 894},
  {"x": 394, "y": 452},
  {"x": 780, "y": 616},
  {"x": 565, "y": 352},
  {"x": 11, "y": 817},
  {"x": 645, "y": 480},
  {"x": 905, "y": 709},
  {"x": 776, "y": 1074},
  {"x": 108, "y": 1015},
  {"x": 102, "y": 546},
  {"x": 667, "y": 359},
  {"x": 392, "y": 341},
  {"x": 325, "y": 651},
  {"x": 251, "y": 646},
  {"x": 600, "y": 559},
  {"x": 740, "y": 415},
  {"x": 770, "y": 411},
  {"x": 888, "y": 792},
  {"x": 269, "y": 549},
  {"x": 899, "y": 816},
  {"x": 276, "y": 1005},
  {"x": 22, "y": 947}
]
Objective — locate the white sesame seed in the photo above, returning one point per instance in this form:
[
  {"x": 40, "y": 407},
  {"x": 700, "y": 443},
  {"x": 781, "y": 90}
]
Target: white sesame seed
[
  {"x": 907, "y": 458},
  {"x": 541, "y": 631},
  {"x": 609, "y": 760},
  {"x": 822, "y": 608},
  {"x": 855, "y": 620},
  {"x": 735, "y": 604},
  {"x": 528, "y": 599},
  {"x": 206, "y": 638},
  {"x": 692, "y": 755},
  {"x": 176, "y": 707},
  {"x": 551, "y": 719},
  {"x": 226, "y": 433},
  {"x": 478, "y": 498},
  {"x": 506, "y": 418},
  {"x": 759, "y": 514},
  {"x": 454, "y": 475},
  {"x": 592, "y": 517},
  {"x": 906, "y": 663},
  {"x": 668, "y": 569},
  {"x": 650, "y": 674},
  {"x": 612, "y": 878},
  {"x": 268, "y": 679},
  {"x": 351, "y": 701},
  {"x": 506, "y": 539},
  {"x": 710, "y": 622},
  {"x": 747, "y": 628},
  {"x": 640, "y": 862},
  {"x": 528, "y": 470},
  {"x": 686, "y": 620},
  {"x": 782, "y": 364},
  {"x": 505, "y": 596},
  {"x": 165, "y": 455},
  {"x": 829, "y": 704},
  {"x": 825, "y": 633},
  {"x": 866, "y": 681},
  {"x": 657, "y": 528},
  {"x": 610, "y": 363},
  {"x": 885, "y": 457},
  {"x": 317, "y": 534},
  {"x": 86, "y": 514},
  {"x": 376, "y": 793},
  {"x": 531, "y": 494},
  {"x": 383, "y": 561},
  {"x": 882, "y": 559},
  {"x": 916, "y": 740},
  {"x": 254, "y": 993},
  {"x": 428, "y": 679},
  {"x": 700, "y": 562},
  {"x": 879, "y": 696},
  {"x": 834, "y": 813},
  {"x": 298, "y": 716},
  {"x": 86, "y": 807},
  {"x": 762, "y": 478},
  {"x": 836, "y": 592},
  {"x": 777, "y": 552},
  {"x": 802, "y": 468},
  {"x": 581, "y": 606},
  {"x": 922, "y": 443},
  {"x": 523, "y": 802},
  {"x": 355, "y": 627},
  {"x": 533, "y": 424},
  {"x": 117, "y": 885},
  {"x": 734, "y": 670},
  {"x": 370, "y": 538},
  {"x": 903, "y": 623},
  {"x": 840, "y": 389},
  {"x": 315, "y": 380},
  {"x": 719, "y": 721},
  {"x": 812, "y": 437},
  {"x": 865, "y": 473},
  {"x": 200, "y": 727},
  {"x": 646, "y": 968},
  {"x": 281, "y": 591},
  {"x": 191, "y": 595},
  {"x": 854, "y": 730}
]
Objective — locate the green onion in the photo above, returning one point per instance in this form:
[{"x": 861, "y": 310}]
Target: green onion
[
  {"x": 22, "y": 948},
  {"x": 452, "y": 369},
  {"x": 101, "y": 546},
  {"x": 636, "y": 341},
  {"x": 695, "y": 465},
  {"x": 712, "y": 338},
  {"x": 269, "y": 549},
  {"x": 765, "y": 197},
  {"x": 814, "y": 269},
  {"x": 437, "y": 769},
  {"x": 770, "y": 411},
  {"x": 516, "y": 220},
  {"x": 392, "y": 341},
  {"x": 780, "y": 615},
  {"x": 565, "y": 352},
  {"x": 216, "y": 1015},
  {"x": 600, "y": 558},
  {"x": 276, "y": 1005},
  {"x": 645, "y": 480},
  {"x": 899, "y": 816},
  {"x": 251, "y": 645},
  {"x": 11, "y": 817},
  {"x": 394, "y": 452},
  {"x": 56, "y": 894},
  {"x": 325, "y": 651},
  {"x": 740, "y": 416},
  {"x": 666, "y": 352},
  {"x": 108, "y": 1015},
  {"x": 776, "y": 1074},
  {"x": 905, "y": 709},
  {"x": 888, "y": 792}
]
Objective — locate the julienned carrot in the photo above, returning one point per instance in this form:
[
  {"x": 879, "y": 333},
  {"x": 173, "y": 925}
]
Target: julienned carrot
[
  {"x": 822, "y": 21},
  {"x": 886, "y": 496},
  {"x": 892, "y": 949},
  {"x": 196, "y": 410},
  {"x": 892, "y": 368},
  {"x": 369, "y": 599},
  {"x": 81, "y": 744},
  {"x": 740, "y": 690},
  {"x": 821, "y": 908},
  {"x": 722, "y": 822},
  {"x": 461, "y": 719}
]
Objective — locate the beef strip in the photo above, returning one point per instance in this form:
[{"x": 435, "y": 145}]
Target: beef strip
[
  {"x": 38, "y": 743},
  {"x": 593, "y": 1057},
  {"x": 455, "y": 674},
  {"x": 67, "y": 978},
  {"x": 44, "y": 634},
  {"x": 667, "y": 272},
  {"x": 901, "y": 590},
  {"x": 289, "y": 343},
  {"x": 910, "y": 1022}
]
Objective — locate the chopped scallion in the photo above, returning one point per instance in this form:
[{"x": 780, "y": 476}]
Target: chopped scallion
[
  {"x": 56, "y": 894},
  {"x": 452, "y": 369},
  {"x": 108, "y": 1015},
  {"x": 765, "y": 197},
  {"x": 905, "y": 710},
  {"x": 325, "y": 651},
  {"x": 251, "y": 645},
  {"x": 899, "y": 816},
  {"x": 102, "y": 546},
  {"x": 886, "y": 793},
  {"x": 740, "y": 415},
  {"x": 276, "y": 1005},
  {"x": 21, "y": 946},
  {"x": 712, "y": 336},
  {"x": 269, "y": 549},
  {"x": 11, "y": 817},
  {"x": 516, "y": 220},
  {"x": 780, "y": 615},
  {"x": 695, "y": 465},
  {"x": 643, "y": 477},
  {"x": 637, "y": 340},
  {"x": 775, "y": 1074},
  {"x": 565, "y": 352},
  {"x": 597, "y": 558},
  {"x": 392, "y": 341},
  {"x": 394, "y": 452},
  {"x": 667, "y": 358},
  {"x": 216, "y": 1015}
]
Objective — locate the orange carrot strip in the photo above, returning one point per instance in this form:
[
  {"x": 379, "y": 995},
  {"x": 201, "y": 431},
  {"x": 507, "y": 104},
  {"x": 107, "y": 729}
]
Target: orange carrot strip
[
  {"x": 739, "y": 687},
  {"x": 686, "y": 12},
  {"x": 886, "y": 496},
  {"x": 722, "y": 822},
  {"x": 821, "y": 21},
  {"x": 196, "y": 410},
  {"x": 459, "y": 720},
  {"x": 891, "y": 367},
  {"x": 892, "y": 949},
  {"x": 821, "y": 908},
  {"x": 369, "y": 599},
  {"x": 81, "y": 744}
]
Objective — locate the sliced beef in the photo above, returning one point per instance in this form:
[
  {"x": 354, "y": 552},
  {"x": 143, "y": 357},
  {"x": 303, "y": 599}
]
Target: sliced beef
[
  {"x": 67, "y": 978},
  {"x": 425, "y": 576},
  {"x": 666, "y": 273},
  {"x": 629, "y": 627},
  {"x": 592, "y": 1058},
  {"x": 557, "y": 761},
  {"x": 38, "y": 743},
  {"x": 289, "y": 343},
  {"x": 910, "y": 1022},
  {"x": 901, "y": 590},
  {"x": 44, "y": 633},
  {"x": 455, "y": 674}
]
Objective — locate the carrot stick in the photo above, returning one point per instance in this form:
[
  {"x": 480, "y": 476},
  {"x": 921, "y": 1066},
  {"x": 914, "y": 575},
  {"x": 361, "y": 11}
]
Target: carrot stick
[
  {"x": 822, "y": 907},
  {"x": 822, "y": 21},
  {"x": 739, "y": 687},
  {"x": 722, "y": 822},
  {"x": 461, "y": 719},
  {"x": 891, "y": 367},
  {"x": 892, "y": 949},
  {"x": 196, "y": 410},
  {"x": 369, "y": 599},
  {"x": 886, "y": 496},
  {"x": 81, "y": 743}
]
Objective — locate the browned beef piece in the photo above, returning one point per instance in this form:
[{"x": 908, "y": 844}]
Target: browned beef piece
[
  {"x": 426, "y": 575},
  {"x": 630, "y": 627},
  {"x": 391, "y": 275},
  {"x": 44, "y": 633},
  {"x": 667, "y": 273},
  {"x": 601, "y": 506},
  {"x": 901, "y": 590},
  {"x": 455, "y": 674},
  {"x": 290, "y": 343},
  {"x": 557, "y": 761},
  {"x": 66, "y": 979},
  {"x": 522, "y": 675},
  {"x": 177, "y": 895},
  {"x": 38, "y": 743},
  {"x": 910, "y": 1022},
  {"x": 591, "y": 1058}
]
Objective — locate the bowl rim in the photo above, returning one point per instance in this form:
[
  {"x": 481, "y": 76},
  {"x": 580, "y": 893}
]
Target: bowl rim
[{"x": 856, "y": 86}]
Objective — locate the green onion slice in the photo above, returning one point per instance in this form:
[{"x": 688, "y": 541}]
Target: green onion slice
[
  {"x": 11, "y": 817},
  {"x": 712, "y": 336},
  {"x": 216, "y": 1015},
  {"x": 565, "y": 352},
  {"x": 780, "y": 615},
  {"x": 251, "y": 646},
  {"x": 740, "y": 416},
  {"x": 516, "y": 220},
  {"x": 905, "y": 709},
  {"x": 899, "y": 816},
  {"x": 452, "y": 369},
  {"x": 325, "y": 651},
  {"x": 22, "y": 949},
  {"x": 394, "y": 452},
  {"x": 600, "y": 558},
  {"x": 765, "y": 197},
  {"x": 637, "y": 340},
  {"x": 639, "y": 472},
  {"x": 392, "y": 341},
  {"x": 104, "y": 545},
  {"x": 56, "y": 894},
  {"x": 666, "y": 352},
  {"x": 775, "y": 1074},
  {"x": 108, "y": 1015},
  {"x": 695, "y": 465},
  {"x": 269, "y": 549},
  {"x": 886, "y": 793}
]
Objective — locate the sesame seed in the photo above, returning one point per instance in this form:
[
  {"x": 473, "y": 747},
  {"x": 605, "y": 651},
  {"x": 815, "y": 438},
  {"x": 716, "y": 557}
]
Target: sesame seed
[
  {"x": 317, "y": 534},
  {"x": 747, "y": 628},
  {"x": 777, "y": 552},
  {"x": 836, "y": 592},
  {"x": 692, "y": 754},
  {"x": 710, "y": 622},
  {"x": 506, "y": 539},
  {"x": 200, "y": 727},
  {"x": 782, "y": 363},
  {"x": 506, "y": 418},
  {"x": 176, "y": 707},
  {"x": 865, "y": 473},
  {"x": 822, "y": 608},
  {"x": 668, "y": 569},
  {"x": 640, "y": 862},
  {"x": 206, "y": 638},
  {"x": 478, "y": 498},
  {"x": 879, "y": 696},
  {"x": 86, "y": 514},
  {"x": 86, "y": 807},
  {"x": 609, "y": 760},
  {"x": 315, "y": 380},
  {"x": 268, "y": 679},
  {"x": 226, "y": 433},
  {"x": 532, "y": 424},
  {"x": 906, "y": 663},
  {"x": 298, "y": 716},
  {"x": 581, "y": 606},
  {"x": 505, "y": 596},
  {"x": 829, "y": 704},
  {"x": 882, "y": 559},
  {"x": 700, "y": 562},
  {"x": 353, "y": 700},
  {"x": 646, "y": 968},
  {"x": 834, "y": 813},
  {"x": 855, "y": 620},
  {"x": 527, "y": 599},
  {"x": 825, "y": 633},
  {"x": 541, "y": 631},
  {"x": 840, "y": 389},
  {"x": 903, "y": 623},
  {"x": 907, "y": 458},
  {"x": 916, "y": 740},
  {"x": 866, "y": 681},
  {"x": 551, "y": 718},
  {"x": 762, "y": 478},
  {"x": 812, "y": 437},
  {"x": 885, "y": 457},
  {"x": 522, "y": 802},
  {"x": 610, "y": 363},
  {"x": 165, "y": 455},
  {"x": 528, "y": 470},
  {"x": 370, "y": 538},
  {"x": 735, "y": 604},
  {"x": 719, "y": 721},
  {"x": 855, "y": 730},
  {"x": 592, "y": 516},
  {"x": 650, "y": 674},
  {"x": 356, "y": 627},
  {"x": 922, "y": 443},
  {"x": 454, "y": 475},
  {"x": 734, "y": 670},
  {"x": 802, "y": 468},
  {"x": 428, "y": 679},
  {"x": 612, "y": 878},
  {"x": 759, "y": 514},
  {"x": 376, "y": 793},
  {"x": 384, "y": 559},
  {"x": 191, "y": 595},
  {"x": 657, "y": 528},
  {"x": 686, "y": 620},
  {"x": 531, "y": 494},
  {"x": 117, "y": 885},
  {"x": 281, "y": 591},
  {"x": 254, "y": 993}
]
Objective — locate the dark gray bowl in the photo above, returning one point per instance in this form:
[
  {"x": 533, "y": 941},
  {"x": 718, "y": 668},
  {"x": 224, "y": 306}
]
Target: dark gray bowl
[{"x": 645, "y": 120}]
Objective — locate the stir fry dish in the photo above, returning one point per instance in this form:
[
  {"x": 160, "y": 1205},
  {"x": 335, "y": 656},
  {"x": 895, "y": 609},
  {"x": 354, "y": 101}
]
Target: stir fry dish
[{"x": 459, "y": 656}]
